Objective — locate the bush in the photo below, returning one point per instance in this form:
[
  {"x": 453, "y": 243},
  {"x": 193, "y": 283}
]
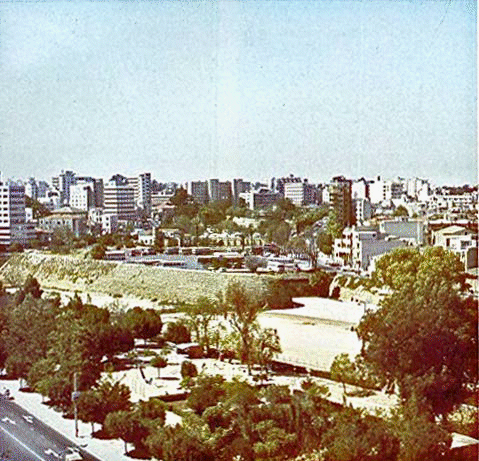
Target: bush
[
  {"x": 177, "y": 332},
  {"x": 188, "y": 369}
]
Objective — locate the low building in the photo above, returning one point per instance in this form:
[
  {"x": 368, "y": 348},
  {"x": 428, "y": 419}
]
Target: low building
[
  {"x": 106, "y": 222},
  {"x": 260, "y": 199},
  {"x": 460, "y": 241},
  {"x": 411, "y": 231},
  {"x": 66, "y": 217},
  {"x": 358, "y": 247}
]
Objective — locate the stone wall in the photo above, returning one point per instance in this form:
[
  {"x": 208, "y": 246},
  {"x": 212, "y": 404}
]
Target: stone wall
[{"x": 164, "y": 285}]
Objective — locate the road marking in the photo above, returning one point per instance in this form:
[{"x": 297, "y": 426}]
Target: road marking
[
  {"x": 8, "y": 420},
  {"x": 28, "y": 419},
  {"x": 23, "y": 445},
  {"x": 51, "y": 452}
]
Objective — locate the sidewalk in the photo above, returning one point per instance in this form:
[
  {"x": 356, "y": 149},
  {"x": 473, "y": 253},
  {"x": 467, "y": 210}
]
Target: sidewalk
[{"x": 106, "y": 450}]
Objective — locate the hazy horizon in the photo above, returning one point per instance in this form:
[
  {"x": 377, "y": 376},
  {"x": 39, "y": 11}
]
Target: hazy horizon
[{"x": 224, "y": 89}]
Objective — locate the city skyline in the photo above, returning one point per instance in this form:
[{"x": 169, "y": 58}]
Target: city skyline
[{"x": 198, "y": 90}]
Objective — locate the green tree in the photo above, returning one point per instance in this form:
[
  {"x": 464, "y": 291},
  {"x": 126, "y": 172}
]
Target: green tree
[
  {"x": 320, "y": 281},
  {"x": 144, "y": 323},
  {"x": 401, "y": 210},
  {"x": 266, "y": 344},
  {"x": 177, "y": 332},
  {"x": 153, "y": 410},
  {"x": 424, "y": 336},
  {"x": 253, "y": 263},
  {"x": 199, "y": 316},
  {"x": 126, "y": 425},
  {"x": 207, "y": 392},
  {"x": 243, "y": 307},
  {"x": 419, "y": 437},
  {"x": 28, "y": 327},
  {"x": 188, "y": 369},
  {"x": 159, "y": 362},
  {"x": 98, "y": 252},
  {"x": 90, "y": 408},
  {"x": 354, "y": 437},
  {"x": 343, "y": 370}
]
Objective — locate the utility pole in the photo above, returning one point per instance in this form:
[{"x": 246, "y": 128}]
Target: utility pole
[{"x": 75, "y": 395}]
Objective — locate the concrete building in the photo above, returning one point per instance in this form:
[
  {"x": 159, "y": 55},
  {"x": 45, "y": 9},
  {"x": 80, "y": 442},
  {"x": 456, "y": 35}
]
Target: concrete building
[
  {"x": 301, "y": 193},
  {"x": 96, "y": 186},
  {"x": 81, "y": 197},
  {"x": 31, "y": 188},
  {"x": 460, "y": 241},
  {"x": 418, "y": 189},
  {"x": 107, "y": 223},
  {"x": 363, "y": 209},
  {"x": 66, "y": 217},
  {"x": 199, "y": 191},
  {"x": 260, "y": 199},
  {"x": 409, "y": 230},
  {"x": 219, "y": 190},
  {"x": 13, "y": 225},
  {"x": 120, "y": 200},
  {"x": 62, "y": 183},
  {"x": 141, "y": 185},
  {"x": 239, "y": 187},
  {"x": 360, "y": 189},
  {"x": 358, "y": 246},
  {"x": 340, "y": 198},
  {"x": 51, "y": 199},
  {"x": 385, "y": 190}
]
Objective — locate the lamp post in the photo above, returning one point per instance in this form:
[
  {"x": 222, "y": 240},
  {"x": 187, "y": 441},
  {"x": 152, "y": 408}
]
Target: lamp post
[{"x": 75, "y": 396}]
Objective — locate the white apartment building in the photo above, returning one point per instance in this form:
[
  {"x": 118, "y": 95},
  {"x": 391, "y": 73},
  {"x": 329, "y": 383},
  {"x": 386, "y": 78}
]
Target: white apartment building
[
  {"x": 358, "y": 246},
  {"x": 141, "y": 185},
  {"x": 119, "y": 200},
  {"x": 31, "y": 188},
  {"x": 418, "y": 189},
  {"x": 81, "y": 196},
  {"x": 13, "y": 225},
  {"x": 300, "y": 193},
  {"x": 108, "y": 223},
  {"x": 360, "y": 189},
  {"x": 460, "y": 241},
  {"x": 363, "y": 209},
  {"x": 385, "y": 190}
]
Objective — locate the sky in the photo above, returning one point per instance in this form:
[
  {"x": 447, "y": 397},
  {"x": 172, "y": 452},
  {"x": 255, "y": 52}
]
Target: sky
[{"x": 191, "y": 90}]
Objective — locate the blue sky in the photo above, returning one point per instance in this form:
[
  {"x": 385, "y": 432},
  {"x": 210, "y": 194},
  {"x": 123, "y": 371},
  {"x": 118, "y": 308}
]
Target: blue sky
[{"x": 253, "y": 89}]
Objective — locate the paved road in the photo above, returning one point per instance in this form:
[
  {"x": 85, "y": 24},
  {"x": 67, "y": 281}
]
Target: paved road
[{"x": 24, "y": 438}]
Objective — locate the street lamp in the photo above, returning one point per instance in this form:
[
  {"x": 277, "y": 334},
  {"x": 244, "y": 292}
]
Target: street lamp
[{"x": 75, "y": 397}]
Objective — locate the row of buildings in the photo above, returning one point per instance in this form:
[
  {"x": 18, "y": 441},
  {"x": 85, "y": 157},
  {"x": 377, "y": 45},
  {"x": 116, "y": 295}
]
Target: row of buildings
[{"x": 79, "y": 202}]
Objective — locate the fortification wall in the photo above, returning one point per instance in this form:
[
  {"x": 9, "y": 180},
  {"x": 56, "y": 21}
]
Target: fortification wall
[{"x": 164, "y": 285}]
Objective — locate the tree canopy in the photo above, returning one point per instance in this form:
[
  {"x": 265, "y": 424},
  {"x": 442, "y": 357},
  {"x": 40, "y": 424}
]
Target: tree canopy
[{"x": 424, "y": 336}]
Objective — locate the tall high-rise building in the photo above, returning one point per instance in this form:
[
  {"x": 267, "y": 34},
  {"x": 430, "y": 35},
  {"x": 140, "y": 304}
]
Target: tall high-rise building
[
  {"x": 141, "y": 185},
  {"x": 341, "y": 200},
  {"x": 81, "y": 196},
  {"x": 301, "y": 193},
  {"x": 119, "y": 200},
  {"x": 199, "y": 191},
  {"x": 219, "y": 190},
  {"x": 96, "y": 186},
  {"x": 13, "y": 225},
  {"x": 31, "y": 188},
  {"x": 239, "y": 186},
  {"x": 62, "y": 183}
]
